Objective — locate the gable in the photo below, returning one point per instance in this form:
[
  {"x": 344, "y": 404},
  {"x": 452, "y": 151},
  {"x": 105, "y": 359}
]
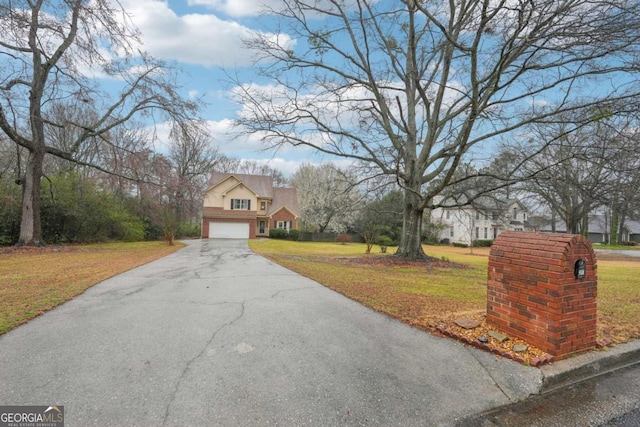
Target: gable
[{"x": 224, "y": 186}]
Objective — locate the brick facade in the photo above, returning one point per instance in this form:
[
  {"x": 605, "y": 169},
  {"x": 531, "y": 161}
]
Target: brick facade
[
  {"x": 532, "y": 292},
  {"x": 283, "y": 215}
]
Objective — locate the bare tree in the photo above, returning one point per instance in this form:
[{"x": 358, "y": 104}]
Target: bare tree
[
  {"x": 250, "y": 167},
  {"x": 581, "y": 171},
  {"x": 327, "y": 197},
  {"x": 48, "y": 51},
  {"x": 192, "y": 157},
  {"x": 417, "y": 88}
]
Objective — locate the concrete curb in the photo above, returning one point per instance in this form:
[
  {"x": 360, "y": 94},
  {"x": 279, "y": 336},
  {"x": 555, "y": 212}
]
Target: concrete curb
[{"x": 580, "y": 368}]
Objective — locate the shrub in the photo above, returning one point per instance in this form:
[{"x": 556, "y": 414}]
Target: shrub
[
  {"x": 278, "y": 233},
  {"x": 294, "y": 234},
  {"x": 460, "y": 245},
  {"x": 383, "y": 242},
  {"x": 343, "y": 238},
  {"x": 188, "y": 230},
  {"x": 482, "y": 243}
]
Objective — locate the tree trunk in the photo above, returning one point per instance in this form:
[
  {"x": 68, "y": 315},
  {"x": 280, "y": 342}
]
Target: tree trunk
[
  {"x": 615, "y": 222},
  {"x": 621, "y": 236},
  {"x": 30, "y": 225},
  {"x": 410, "y": 243}
]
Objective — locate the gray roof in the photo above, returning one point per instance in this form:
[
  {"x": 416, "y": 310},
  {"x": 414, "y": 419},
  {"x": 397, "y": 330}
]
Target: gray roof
[
  {"x": 598, "y": 224},
  {"x": 633, "y": 226},
  {"x": 284, "y": 197}
]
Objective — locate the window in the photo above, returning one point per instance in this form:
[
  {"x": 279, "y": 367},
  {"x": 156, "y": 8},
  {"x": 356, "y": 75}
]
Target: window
[
  {"x": 284, "y": 224},
  {"x": 494, "y": 216},
  {"x": 263, "y": 206},
  {"x": 515, "y": 213},
  {"x": 241, "y": 204},
  {"x": 451, "y": 232},
  {"x": 477, "y": 232},
  {"x": 448, "y": 214},
  {"x": 477, "y": 214},
  {"x": 485, "y": 232}
]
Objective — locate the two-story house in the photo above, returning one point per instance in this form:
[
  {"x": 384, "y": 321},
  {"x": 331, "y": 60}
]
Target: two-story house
[
  {"x": 238, "y": 206},
  {"x": 484, "y": 220}
]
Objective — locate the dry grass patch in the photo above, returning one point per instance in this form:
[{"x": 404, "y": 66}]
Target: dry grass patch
[
  {"x": 618, "y": 297},
  {"x": 425, "y": 295},
  {"x": 418, "y": 293},
  {"x": 35, "y": 280}
]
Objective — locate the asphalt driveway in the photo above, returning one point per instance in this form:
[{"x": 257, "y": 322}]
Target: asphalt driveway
[{"x": 216, "y": 335}]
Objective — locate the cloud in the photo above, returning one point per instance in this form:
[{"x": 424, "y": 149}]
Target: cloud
[
  {"x": 237, "y": 8},
  {"x": 200, "y": 39}
]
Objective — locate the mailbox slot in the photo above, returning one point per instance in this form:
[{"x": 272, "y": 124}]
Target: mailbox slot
[{"x": 580, "y": 268}]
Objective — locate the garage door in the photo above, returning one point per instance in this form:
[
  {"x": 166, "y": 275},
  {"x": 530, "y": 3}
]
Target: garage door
[{"x": 228, "y": 230}]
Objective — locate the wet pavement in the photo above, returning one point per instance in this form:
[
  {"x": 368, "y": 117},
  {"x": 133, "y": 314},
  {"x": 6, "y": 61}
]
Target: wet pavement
[{"x": 610, "y": 400}]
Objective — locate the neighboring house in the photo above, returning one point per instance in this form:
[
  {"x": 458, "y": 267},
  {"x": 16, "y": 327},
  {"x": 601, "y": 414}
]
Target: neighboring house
[
  {"x": 634, "y": 230},
  {"x": 246, "y": 206},
  {"x": 485, "y": 220},
  {"x": 600, "y": 229}
]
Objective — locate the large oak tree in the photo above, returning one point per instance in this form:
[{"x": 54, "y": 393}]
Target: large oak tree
[{"x": 418, "y": 87}]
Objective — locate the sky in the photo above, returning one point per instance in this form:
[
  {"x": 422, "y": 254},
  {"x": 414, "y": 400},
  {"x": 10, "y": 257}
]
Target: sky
[{"x": 204, "y": 39}]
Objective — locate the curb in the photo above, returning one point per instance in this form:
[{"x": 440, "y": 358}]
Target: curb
[{"x": 589, "y": 365}]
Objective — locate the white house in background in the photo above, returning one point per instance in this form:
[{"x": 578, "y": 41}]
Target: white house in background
[{"x": 484, "y": 220}]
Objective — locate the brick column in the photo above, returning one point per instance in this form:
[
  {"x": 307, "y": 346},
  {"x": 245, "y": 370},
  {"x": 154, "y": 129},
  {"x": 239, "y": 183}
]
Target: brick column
[{"x": 532, "y": 292}]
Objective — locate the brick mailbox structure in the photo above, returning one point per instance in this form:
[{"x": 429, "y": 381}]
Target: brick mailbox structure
[{"x": 542, "y": 288}]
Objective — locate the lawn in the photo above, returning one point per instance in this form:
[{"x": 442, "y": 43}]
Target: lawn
[
  {"x": 426, "y": 295},
  {"x": 34, "y": 280}
]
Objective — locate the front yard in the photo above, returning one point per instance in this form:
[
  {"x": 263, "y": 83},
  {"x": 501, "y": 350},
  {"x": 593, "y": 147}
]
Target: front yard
[
  {"x": 425, "y": 295},
  {"x": 35, "y": 280}
]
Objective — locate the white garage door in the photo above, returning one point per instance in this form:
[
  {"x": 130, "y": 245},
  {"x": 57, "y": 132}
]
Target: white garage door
[{"x": 228, "y": 230}]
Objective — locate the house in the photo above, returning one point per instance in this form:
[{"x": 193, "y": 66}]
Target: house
[
  {"x": 634, "y": 231},
  {"x": 241, "y": 206},
  {"x": 599, "y": 230},
  {"x": 485, "y": 219}
]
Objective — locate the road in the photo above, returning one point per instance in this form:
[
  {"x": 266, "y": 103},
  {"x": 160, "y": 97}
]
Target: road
[
  {"x": 631, "y": 253},
  {"x": 216, "y": 335}
]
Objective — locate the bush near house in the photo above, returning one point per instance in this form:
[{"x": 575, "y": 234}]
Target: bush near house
[
  {"x": 482, "y": 243},
  {"x": 278, "y": 233},
  {"x": 294, "y": 234},
  {"x": 460, "y": 245}
]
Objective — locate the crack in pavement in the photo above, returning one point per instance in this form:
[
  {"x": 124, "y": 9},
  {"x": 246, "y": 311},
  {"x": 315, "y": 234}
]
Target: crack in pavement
[
  {"x": 295, "y": 289},
  {"x": 213, "y": 337},
  {"x": 193, "y": 359}
]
